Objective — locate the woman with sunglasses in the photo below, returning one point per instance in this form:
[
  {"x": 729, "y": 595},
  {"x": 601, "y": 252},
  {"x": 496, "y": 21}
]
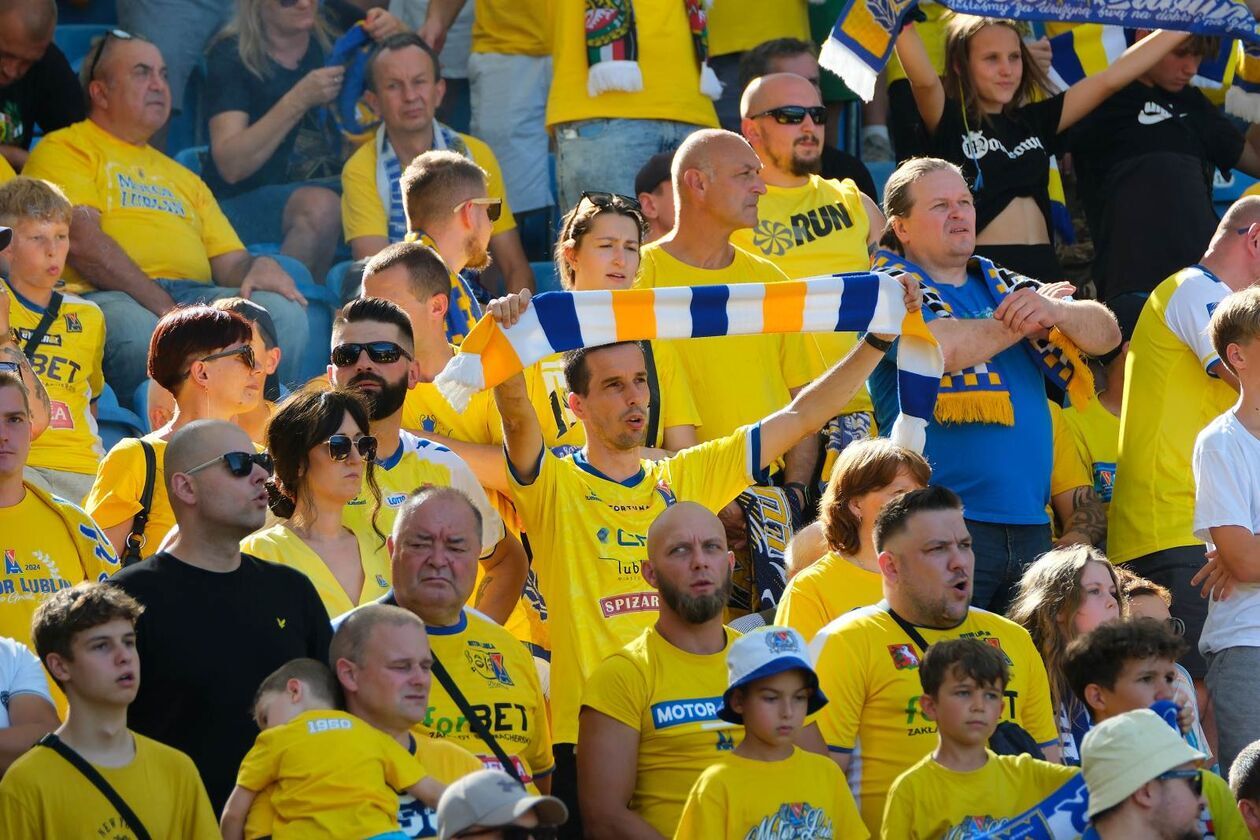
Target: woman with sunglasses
[
  {"x": 993, "y": 115},
  {"x": 320, "y": 444},
  {"x": 204, "y": 357}
]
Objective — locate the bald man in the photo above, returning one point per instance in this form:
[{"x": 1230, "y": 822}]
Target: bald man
[
  {"x": 37, "y": 85},
  {"x": 215, "y": 621}
]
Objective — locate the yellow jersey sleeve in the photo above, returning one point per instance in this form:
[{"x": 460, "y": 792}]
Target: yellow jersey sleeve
[
  {"x": 261, "y": 764},
  {"x": 495, "y": 188},
  {"x": 402, "y": 769},
  {"x": 801, "y": 609},
  {"x": 362, "y": 213},
  {"x": 1222, "y": 810},
  {"x": 1068, "y": 471},
  {"x": 115, "y": 495},
  {"x": 617, "y": 689},
  {"x": 678, "y": 407},
  {"x": 842, "y": 672},
  {"x": 70, "y": 166},
  {"x": 899, "y": 808},
  {"x": 716, "y": 471},
  {"x": 705, "y": 812},
  {"x": 1187, "y": 313}
]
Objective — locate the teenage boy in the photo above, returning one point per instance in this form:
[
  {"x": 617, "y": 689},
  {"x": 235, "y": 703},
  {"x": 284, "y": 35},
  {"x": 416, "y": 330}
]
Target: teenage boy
[
  {"x": 86, "y": 638},
  {"x": 769, "y": 787},
  {"x": 63, "y": 335},
  {"x": 1244, "y": 781},
  {"x": 1125, "y": 665},
  {"x": 1226, "y": 465},
  {"x": 962, "y": 782},
  {"x": 328, "y": 772}
]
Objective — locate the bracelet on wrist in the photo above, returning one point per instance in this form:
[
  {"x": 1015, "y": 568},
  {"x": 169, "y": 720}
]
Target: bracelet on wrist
[{"x": 878, "y": 343}]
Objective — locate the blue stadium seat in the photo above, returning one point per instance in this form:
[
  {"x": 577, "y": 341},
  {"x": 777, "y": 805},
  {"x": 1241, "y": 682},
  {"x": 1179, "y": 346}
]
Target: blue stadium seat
[
  {"x": 191, "y": 158},
  {"x": 880, "y": 172},
  {"x": 88, "y": 11},
  {"x": 322, "y": 304},
  {"x": 337, "y": 277},
  {"x": 546, "y": 277},
  {"x": 141, "y": 403},
  {"x": 1225, "y": 191},
  {"x": 114, "y": 422},
  {"x": 75, "y": 39}
]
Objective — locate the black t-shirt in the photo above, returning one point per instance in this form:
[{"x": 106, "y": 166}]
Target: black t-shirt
[
  {"x": 206, "y": 641},
  {"x": 48, "y": 96},
  {"x": 1144, "y": 161},
  {"x": 1004, "y": 156},
  {"x": 310, "y": 150},
  {"x": 837, "y": 164}
]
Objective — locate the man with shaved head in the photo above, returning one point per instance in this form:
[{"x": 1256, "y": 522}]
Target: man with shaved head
[
  {"x": 216, "y": 621},
  {"x": 37, "y": 85}
]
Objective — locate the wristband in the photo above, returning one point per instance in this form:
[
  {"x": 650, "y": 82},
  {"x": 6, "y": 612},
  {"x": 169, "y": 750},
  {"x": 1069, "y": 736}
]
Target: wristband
[{"x": 878, "y": 343}]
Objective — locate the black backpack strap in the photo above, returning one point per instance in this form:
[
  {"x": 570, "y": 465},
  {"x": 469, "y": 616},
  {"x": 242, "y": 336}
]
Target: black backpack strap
[
  {"x": 92, "y": 775},
  {"x": 654, "y": 394},
  {"x": 444, "y": 677},
  {"x": 910, "y": 629},
  {"x": 41, "y": 329},
  {"x": 135, "y": 538}
]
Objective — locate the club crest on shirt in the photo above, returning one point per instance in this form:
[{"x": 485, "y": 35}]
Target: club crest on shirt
[
  {"x": 794, "y": 819},
  {"x": 903, "y": 657},
  {"x": 781, "y": 641},
  {"x": 72, "y": 323},
  {"x": 994, "y": 642},
  {"x": 488, "y": 662},
  {"x": 666, "y": 493},
  {"x": 11, "y": 566}
]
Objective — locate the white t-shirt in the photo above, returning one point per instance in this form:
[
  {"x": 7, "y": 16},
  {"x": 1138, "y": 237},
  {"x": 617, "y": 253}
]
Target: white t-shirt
[
  {"x": 1227, "y": 492},
  {"x": 20, "y": 673}
]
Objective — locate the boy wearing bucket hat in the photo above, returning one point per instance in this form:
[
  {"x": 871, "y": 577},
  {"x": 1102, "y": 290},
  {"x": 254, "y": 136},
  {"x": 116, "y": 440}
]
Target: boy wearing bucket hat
[
  {"x": 768, "y": 787},
  {"x": 1143, "y": 779}
]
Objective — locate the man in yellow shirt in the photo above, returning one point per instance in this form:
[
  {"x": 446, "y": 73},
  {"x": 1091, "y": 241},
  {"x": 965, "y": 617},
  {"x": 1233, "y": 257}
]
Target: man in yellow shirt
[
  {"x": 868, "y": 659},
  {"x": 405, "y": 87},
  {"x": 649, "y": 723},
  {"x": 86, "y": 638},
  {"x": 1174, "y": 385},
  {"x": 147, "y": 234}
]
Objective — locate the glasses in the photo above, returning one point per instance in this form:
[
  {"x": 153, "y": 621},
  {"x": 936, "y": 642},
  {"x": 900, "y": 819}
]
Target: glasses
[
  {"x": 100, "y": 50},
  {"x": 1194, "y": 777},
  {"x": 339, "y": 446},
  {"x": 10, "y": 367},
  {"x": 494, "y": 206},
  {"x": 513, "y": 832},
  {"x": 380, "y": 352},
  {"x": 288, "y": 4},
  {"x": 795, "y": 114},
  {"x": 608, "y": 199},
  {"x": 239, "y": 464}
]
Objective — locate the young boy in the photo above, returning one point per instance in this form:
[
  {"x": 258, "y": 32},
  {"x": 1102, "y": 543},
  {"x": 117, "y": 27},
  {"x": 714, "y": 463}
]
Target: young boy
[
  {"x": 1226, "y": 465},
  {"x": 333, "y": 775},
  {"x": 768, "y": 787},
  {"x": 68, "y": 356},
  {"x": 1244, "y": 781},
  {"x": 1125, "y": 665},
  {"x": 962, "y": 782},
  {"x": 86, "y": 638}
]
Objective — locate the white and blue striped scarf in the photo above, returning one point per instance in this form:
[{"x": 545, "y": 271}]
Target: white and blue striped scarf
[{"x": 389, "y": 171}]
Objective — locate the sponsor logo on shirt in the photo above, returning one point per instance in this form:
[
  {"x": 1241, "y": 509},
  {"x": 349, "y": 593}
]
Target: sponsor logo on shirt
[
  {"x": 59, "y": 416},
  {"x": 774, "y": 239},
  {"x": 148, "y": 196},
  {"x": 632, "y": 602},
  {"x": 670, "y": 713},
  {"x": 1153, "y": 113},
  {"x": 975, "y": 146},
  {"x": 795, "y": 819},
  {"x": 487, "y": 662},
  {"x": 903, "y": 657}
]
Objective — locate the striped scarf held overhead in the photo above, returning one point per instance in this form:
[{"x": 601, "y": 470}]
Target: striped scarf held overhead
[
  {"x": 980, "y": 394},
  {"x": 559, "y": 321}
]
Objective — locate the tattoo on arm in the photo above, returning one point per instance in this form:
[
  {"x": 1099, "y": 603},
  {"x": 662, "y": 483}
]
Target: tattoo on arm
[
  {"x": 1089, "y": 515},
  {"x": 35, "y": 388},
  {"x": 481, "y": 590}
]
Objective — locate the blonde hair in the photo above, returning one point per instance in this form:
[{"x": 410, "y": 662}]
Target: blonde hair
[
  {"x": 248, "y": 28},
  {"x": 862, "y": 467},
  {"x": 31, "y": 199},
  {"x": 1049, "y": 596},
  {"x": 1235, "y": 321},
  {"x": 1033, "y": 82},
  {"x": 899, "y": 201}
]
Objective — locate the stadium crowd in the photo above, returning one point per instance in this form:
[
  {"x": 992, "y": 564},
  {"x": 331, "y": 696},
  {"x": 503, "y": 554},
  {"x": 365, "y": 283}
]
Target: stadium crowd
[{"x": 661, "y": 588}]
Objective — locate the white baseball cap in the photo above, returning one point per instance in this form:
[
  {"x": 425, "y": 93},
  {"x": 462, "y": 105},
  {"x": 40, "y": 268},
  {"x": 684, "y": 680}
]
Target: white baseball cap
[
  {"x": 765, "y": 652},
  {"x": 1123, "y": 753},
  {"x": 492, "y": 798}
]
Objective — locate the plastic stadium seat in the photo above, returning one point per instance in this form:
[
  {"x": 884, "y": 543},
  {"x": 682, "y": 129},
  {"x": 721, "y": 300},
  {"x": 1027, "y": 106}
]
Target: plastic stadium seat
[
  {"x": 1225, "y": 191},
  {"x": 114, "y": 422},
  {"x": 880, "y": 173},
  {"x": 546, "y": 277},
  {"x": 75, "y": 39},
  {"x": 322, "y": 305},
  {"x": 191, "y": 158}
]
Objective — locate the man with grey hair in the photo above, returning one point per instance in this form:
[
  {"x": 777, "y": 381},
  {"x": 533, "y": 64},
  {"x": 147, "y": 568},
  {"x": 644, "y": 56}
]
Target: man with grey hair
[
  {"x": 37, "y": 85},
  {"x": 216, "y": 622}
]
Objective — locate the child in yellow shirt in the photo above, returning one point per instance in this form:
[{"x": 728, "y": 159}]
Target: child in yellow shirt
[
  {"x": 769, "y": 787},
  {"x": 332, "y": 775},
  {"x": 962, "y": 781}
]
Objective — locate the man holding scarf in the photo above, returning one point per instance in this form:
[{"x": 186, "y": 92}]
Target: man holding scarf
[{"x": 1002, "y": 336}]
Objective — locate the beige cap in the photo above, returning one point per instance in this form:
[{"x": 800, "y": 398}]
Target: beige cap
[
  {"x": 492, "y": 798},
  {"x": 1123, "y": 753}
]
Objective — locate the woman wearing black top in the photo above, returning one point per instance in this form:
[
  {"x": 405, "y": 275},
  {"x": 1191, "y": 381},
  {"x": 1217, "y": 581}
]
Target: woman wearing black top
[{"x": 993, "y": 116}]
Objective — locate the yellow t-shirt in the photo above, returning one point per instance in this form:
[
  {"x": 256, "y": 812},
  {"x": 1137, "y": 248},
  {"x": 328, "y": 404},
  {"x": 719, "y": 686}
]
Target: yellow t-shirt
[
  {"x": 671, "y": 698},
  {"x": 1221, "y": 810},
  {"x": 6, "y": 170},
  {"x": 930, "y": 801},
  {"x": 739, "y": 25},
  {"x": 331, "y": 774},
  {"x": 768, "y": 365},
  {"x": 1069, "y": 470},
  {"x": 827, "y": 590},
  {"x": 1096, "y": 433},
  {"x": 869, "y": 670},
  {"x": 818, "y": 228},
  {"x": 512, "y": 27},
  {"x": 161, "y": 214},
  {"x": 1170, "y": 394},
  {"x": 279, "y": 544},
  {"x": 68, "y": 362},
  {"x": 115, "y": 495},
  {"x": 363, "y": 213},
  {"x": 737, "y": 798},
  {"x": 43, "y": 795},
  {"x": 671, "y": 75},
  {"x": 589, "y": 536},
  {"x": 496, "y": 674}
]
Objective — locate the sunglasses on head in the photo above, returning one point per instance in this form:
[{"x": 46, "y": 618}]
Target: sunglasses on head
[
  {"x": 380, "y": 352},
  {"x": 494, "y": 206},
  {"x": 796, "y": 114},
  {"x": 96, "y": 59},
  {"x": 1194, "y": 777},
  {"x": 339, "y": 447},
  {"x": 608, "y": 199},
  {"x": 239, "y": 464}
]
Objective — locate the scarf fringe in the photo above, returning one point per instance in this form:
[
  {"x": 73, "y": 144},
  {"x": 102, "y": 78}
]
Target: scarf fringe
[
  {"x": 1243, "y": 103},
  {"x": 858, "y": 75},
  {"x": 613, "y": 77},
  {"x": 982, "y": 407},
  {"x": 710, "y": 86},
  {"x": 1080, "y": 388}
]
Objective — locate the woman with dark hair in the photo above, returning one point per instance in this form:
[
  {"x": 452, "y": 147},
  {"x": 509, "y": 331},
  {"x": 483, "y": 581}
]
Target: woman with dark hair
[
  {"x": 204, "y": 357},
  {"x": 320, "y": 444}
]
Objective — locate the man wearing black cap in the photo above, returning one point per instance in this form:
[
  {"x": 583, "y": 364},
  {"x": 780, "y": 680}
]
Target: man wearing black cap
[{"x": 655, "y": 191}]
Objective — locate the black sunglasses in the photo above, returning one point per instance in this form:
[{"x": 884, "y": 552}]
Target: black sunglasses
[
  {"x": 795, "y": 114},
  {"x": 287, "y": 4},
  {"x": 100, "y": 50},
  {"x": 1194, "y": 777},
  {"x": 339, "y": 446},
  {"x": 494, "y": 206},
  {"x": 381, "y": 352},
  {"x": 608, "y": 199},
  {"x": 245, "y": 351},
  {"x": 239, "y": 464}
]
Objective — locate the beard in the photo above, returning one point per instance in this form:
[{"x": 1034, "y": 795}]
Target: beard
[
  {"x": 796, "y": 164},
  {"x": 696, "y": 610},
  {"x": 477, "y": 256},
  {"x": 385, "y": 402}
]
